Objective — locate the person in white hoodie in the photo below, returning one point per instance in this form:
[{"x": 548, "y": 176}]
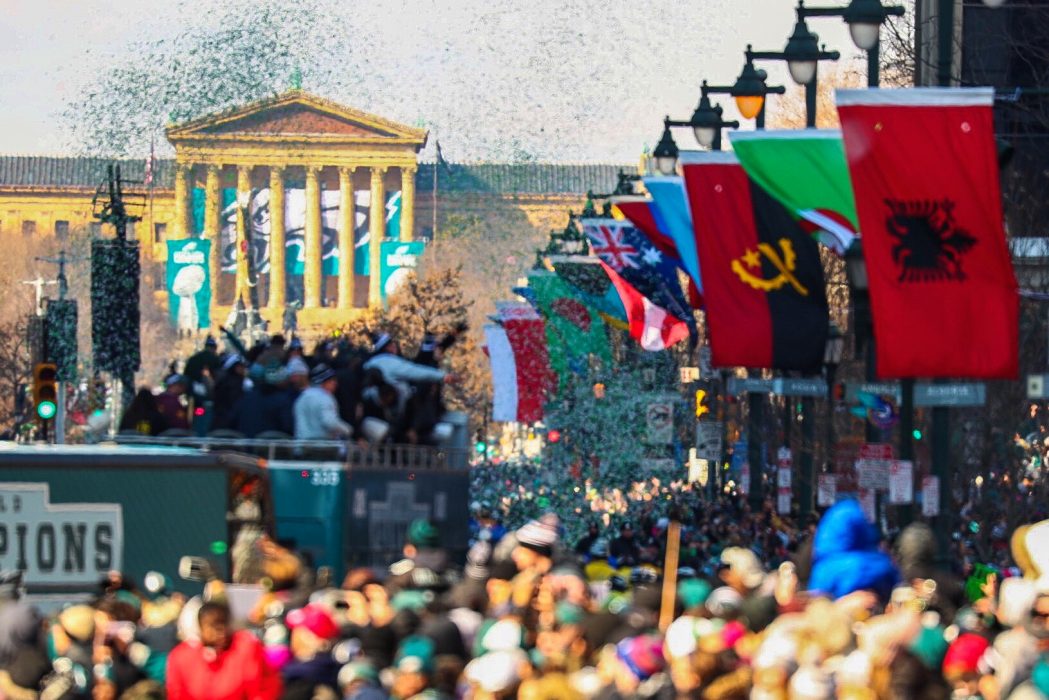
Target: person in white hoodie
[{"x": 316, "y": 411}]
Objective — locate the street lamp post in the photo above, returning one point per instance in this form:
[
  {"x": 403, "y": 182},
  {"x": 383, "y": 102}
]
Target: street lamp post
[
  {"x": 802, "y": 55},
  {"x": 864, "y": 18},
  {"x": 832, "y": 354},
  {"x": 749, "y": 91}
]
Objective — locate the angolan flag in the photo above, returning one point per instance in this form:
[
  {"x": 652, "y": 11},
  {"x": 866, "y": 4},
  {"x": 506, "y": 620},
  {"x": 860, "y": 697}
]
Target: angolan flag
[{"x": 806, "y": 171}]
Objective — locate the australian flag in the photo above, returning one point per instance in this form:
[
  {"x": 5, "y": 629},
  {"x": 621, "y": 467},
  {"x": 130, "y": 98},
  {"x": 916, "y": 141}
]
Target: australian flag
[{"x": 647, "y": 281}]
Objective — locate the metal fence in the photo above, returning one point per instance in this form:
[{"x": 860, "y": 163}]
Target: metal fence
[{"x": 371, "y": 457}]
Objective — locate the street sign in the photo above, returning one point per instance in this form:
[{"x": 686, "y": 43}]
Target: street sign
[
  {"x": 931, "y": 496},
  {"x": 708, "y": 440},
  {"x": 749, "y": 385},
  {"x": 1036, "y": 386},
  {"x": 826, "y": 490},
  {"x": 872, "y": 466},
  {"x": 901, "y": 482},
  {"x": 659, "y": 419},
  {"x": 801, "y": 387},
  {"x": 780, "y": 386},
  {"x": 852, "y": 391},
  {"x": 952, "y": 394}
]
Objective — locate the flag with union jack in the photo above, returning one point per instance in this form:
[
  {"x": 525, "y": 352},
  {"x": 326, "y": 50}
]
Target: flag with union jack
[{"x": 642, "y": 271}]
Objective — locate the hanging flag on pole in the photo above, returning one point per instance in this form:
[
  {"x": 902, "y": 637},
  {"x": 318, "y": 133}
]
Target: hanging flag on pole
[
  {"x": 526, "y": 334},
  {"x": 675, "y": 213},
  {"x": 646, "y": 280},
  {"x": 585, "y": 275},
  {"x": 574, "y": 331},
  {"x": 644, "y": 214},
  {"x": 805, "y": 170},
  {"x": 764, "y": 289},
  {"x": 925, "y": 173}
]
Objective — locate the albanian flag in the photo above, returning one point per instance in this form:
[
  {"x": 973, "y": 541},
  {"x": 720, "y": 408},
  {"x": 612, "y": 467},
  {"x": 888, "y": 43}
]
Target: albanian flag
[
  {"x": 763, "y": 281},
  {"x": 925, "y": 173}
]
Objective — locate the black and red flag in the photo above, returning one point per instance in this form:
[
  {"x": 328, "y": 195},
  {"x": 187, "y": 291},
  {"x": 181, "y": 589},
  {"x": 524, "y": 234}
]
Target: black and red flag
[
  {"x": 925, "y": 175},
  {"x": 762, "y": 277}
]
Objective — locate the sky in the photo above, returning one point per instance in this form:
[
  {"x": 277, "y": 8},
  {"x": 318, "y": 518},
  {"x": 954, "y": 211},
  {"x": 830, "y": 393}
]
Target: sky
[{"x": 549, "y": 80}]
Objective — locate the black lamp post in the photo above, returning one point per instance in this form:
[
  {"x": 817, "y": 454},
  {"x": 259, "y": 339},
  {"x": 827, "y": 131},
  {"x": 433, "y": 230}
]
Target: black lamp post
[
  {"x": 832, "y": 354},
  {"x": 750, "y": 91},
  {"x": 864, "y": 18},
  {"x": 802, "y": 55},
  {"x": 666, "y": 151}
]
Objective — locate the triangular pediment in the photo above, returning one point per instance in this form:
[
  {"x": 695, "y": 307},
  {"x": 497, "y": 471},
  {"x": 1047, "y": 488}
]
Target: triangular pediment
[{"x": 296, "y": 115}]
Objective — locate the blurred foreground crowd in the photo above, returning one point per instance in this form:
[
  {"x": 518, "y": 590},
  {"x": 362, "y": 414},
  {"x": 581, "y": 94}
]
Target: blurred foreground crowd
[
  {"x": 275, "y": 390},
  {"x": 842, "y": 615}
]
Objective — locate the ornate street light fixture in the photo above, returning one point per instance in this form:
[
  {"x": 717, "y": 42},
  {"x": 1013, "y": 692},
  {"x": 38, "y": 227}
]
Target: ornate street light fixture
[
  {"x": 666, "y": 151},
  {"x": 750, "y": 89}
]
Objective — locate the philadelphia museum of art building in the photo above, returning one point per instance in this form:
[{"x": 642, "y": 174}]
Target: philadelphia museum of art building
[{"x": 291, "y": 197}]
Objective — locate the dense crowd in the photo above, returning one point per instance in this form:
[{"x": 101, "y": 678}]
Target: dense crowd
[
  {"x": 749, "y": 612},
  {"x": 275, "y": 390}
]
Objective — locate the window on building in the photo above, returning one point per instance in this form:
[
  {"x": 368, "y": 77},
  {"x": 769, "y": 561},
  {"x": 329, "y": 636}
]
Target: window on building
[
  {"x": 28, "y": 227},
  {"x": 62, "y": 230},
  {"x": 95, "y": 228},
  {"x": 160, "y": 233}
]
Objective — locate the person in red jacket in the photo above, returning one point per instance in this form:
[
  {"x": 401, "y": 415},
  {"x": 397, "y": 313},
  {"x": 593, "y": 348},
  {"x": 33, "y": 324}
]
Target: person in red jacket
[{"x": 222, "y": 665}]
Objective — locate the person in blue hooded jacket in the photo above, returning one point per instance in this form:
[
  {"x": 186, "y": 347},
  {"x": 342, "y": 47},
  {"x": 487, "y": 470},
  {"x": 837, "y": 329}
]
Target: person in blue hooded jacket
[{"x": 846, "y": 557}]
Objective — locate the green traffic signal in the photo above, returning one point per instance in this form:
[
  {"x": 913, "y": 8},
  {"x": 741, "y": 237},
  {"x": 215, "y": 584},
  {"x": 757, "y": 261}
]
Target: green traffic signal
[
  {"x": 917, "y": 434},
  {"x": 46, "y": 409},
  {"x": 480, "y": 448}
]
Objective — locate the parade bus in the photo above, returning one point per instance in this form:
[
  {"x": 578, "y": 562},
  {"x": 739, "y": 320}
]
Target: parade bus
[{"x": 70, "y": 514}]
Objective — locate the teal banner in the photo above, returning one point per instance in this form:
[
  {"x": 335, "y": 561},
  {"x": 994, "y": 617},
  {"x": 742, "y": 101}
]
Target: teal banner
[
  {"x": 362, "y": 236},
  {"x": 397, "y": 262},
  {"x": 189, "y": 283}
]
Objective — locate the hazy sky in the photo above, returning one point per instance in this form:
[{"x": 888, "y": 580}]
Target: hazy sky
[{"x": 568, "y": 80}]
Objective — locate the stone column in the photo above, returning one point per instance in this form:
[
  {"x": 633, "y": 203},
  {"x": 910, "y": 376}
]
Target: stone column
[
  {"x": 243, "y": 186},
  {"x": 376, "y": 232},
  {"x": 312, "y": 271},
  {"x": 213, "y": 229},
  {"x": 407, "y": 203},
  {"x": 347, "y": 222},
  {"x": 278, "y": 263},
  {"x": 182, "y": 200}
]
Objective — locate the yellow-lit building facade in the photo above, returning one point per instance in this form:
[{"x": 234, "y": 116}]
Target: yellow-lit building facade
[{"x": 304, "y": 188}]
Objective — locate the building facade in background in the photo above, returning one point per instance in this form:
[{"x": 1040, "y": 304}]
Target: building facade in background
[{"x": 284, "y": 203}]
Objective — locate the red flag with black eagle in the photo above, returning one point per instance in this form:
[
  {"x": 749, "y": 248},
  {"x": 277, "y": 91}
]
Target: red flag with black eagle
[
  {"x": 925, "y": 174},
  {"x": 762, "y": 277}
]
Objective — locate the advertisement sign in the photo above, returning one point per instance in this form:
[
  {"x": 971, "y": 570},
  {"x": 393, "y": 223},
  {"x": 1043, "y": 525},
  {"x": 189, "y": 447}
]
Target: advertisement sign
[
  {"x": 901, "y": 482},
  {"x": 189, "y": 284},
  {"x": 397, "y": 262},
  {"x": 61, "y": 543}
]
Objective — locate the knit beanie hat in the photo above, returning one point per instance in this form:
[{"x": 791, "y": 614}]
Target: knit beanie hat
[
  {"x": 538, "y": 536},
  {"x": 423, "y": 533}
]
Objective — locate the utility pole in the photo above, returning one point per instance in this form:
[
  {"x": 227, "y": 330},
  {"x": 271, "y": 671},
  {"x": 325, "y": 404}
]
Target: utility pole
[{"x": 38, "y": 286}]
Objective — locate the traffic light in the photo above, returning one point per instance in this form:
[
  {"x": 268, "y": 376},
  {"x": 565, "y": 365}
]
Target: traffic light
[
  {"x": 917, "y": 434},
  {"x": 480, "y": 446},
  {"x": 701, "y": 403},
  {"x": 45, "y": 390}
]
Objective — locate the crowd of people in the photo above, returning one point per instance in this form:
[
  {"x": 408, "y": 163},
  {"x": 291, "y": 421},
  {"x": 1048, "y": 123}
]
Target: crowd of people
[
  {"x": 276, "y": 390},
  {"x": 826, "y": 612}
]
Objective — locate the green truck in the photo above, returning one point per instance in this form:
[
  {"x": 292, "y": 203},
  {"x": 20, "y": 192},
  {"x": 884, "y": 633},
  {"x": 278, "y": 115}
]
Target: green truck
[{"x": 71, "y": 514}]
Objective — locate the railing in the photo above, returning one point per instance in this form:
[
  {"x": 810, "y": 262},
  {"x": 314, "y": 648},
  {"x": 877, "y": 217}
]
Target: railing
[{"x": 355, "y": 456}]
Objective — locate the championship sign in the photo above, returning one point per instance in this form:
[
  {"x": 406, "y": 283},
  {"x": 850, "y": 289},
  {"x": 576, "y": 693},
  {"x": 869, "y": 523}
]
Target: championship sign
[
  {"x": 399, "y": 260},
  {"x": 59, "y": 544}
]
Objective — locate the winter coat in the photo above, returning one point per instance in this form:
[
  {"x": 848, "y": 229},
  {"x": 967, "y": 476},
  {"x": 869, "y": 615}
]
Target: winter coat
[
  {"x": 265, "y": 408},
  {"x": 317, "y": 416},
  {"x": 845, "y": 555},
  {"x": 238, "y": 673}
]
